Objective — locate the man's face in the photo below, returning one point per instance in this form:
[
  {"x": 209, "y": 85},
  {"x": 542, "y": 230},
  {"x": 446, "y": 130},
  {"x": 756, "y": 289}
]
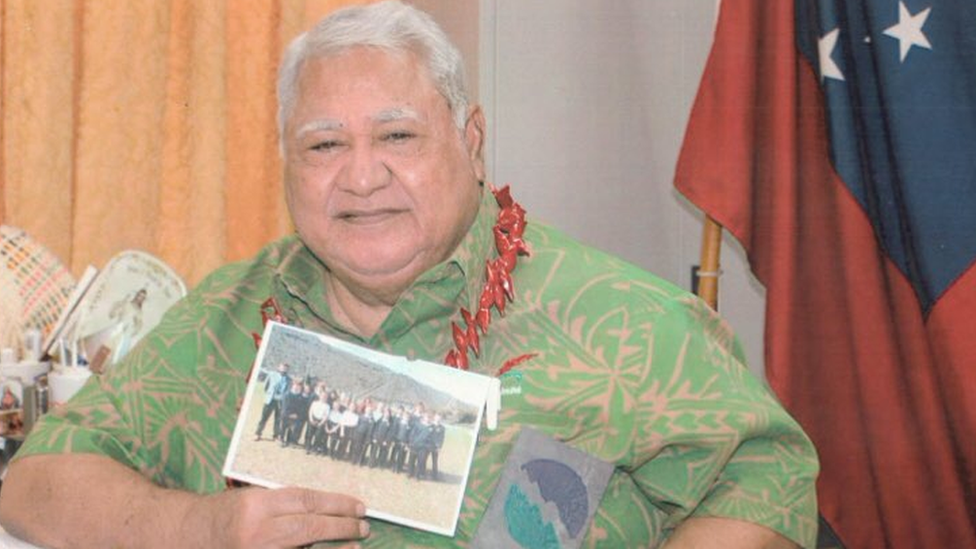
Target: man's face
[{"x": 380, "y": 182}]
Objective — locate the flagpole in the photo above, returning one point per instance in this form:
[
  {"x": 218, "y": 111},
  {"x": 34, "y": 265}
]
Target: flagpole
[{"x": 708, "y": 269}]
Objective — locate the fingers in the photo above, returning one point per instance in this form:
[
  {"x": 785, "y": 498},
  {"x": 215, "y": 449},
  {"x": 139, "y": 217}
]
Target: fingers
[
  {"x": 303, "y": 529},
  {"x": 293, "y": 500},
  {"x": 304, "y": 516}
]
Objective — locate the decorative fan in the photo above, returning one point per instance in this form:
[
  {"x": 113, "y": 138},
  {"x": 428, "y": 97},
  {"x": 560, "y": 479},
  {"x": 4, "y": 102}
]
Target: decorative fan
[{"x": 34, "y": 285}]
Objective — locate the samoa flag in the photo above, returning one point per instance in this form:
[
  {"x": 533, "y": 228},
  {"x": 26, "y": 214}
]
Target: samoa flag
[{"x": 836, "y": 140}]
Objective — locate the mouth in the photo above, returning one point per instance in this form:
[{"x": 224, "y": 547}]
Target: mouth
[{"x": 368, "y": 217}]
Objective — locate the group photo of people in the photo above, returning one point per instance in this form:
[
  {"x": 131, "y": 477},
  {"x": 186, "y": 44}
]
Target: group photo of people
[
  {"x": 305, "y": 413},
  {"x": 319, "y": 414}
]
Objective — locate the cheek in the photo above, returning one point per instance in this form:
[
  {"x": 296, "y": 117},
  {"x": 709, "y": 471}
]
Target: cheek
[
  {"x": 305, "y": 210},
  {"x": 432, "y": 185},
  {"x": 305, "y": 191},
  {"x": 293, "y": 197}
]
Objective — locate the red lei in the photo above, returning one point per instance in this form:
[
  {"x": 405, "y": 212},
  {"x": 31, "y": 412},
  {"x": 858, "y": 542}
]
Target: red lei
[{"x": 498, "y": 288}]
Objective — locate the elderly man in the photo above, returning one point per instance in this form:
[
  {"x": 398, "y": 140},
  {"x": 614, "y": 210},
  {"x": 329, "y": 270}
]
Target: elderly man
[{"x": 383, "y": 177}]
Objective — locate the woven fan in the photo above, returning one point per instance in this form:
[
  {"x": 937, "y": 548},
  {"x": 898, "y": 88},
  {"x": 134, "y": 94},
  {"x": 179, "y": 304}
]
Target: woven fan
[{"x": 31, "y": 272}]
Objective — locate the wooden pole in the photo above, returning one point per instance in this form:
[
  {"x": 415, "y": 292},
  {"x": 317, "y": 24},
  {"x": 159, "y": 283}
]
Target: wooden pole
[{"x": 709, "y": 266}]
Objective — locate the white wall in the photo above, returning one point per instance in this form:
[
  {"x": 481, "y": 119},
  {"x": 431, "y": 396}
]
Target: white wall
[
  {"x": 461, "y": 20},
  {"x": 587, "y": 103}
]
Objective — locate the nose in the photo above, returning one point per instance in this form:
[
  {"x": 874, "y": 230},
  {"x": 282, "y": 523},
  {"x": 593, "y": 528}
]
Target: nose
[{"x": 365, "y": 172}]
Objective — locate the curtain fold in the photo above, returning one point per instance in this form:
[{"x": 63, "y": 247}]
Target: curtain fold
[{"x": 145, "y": 125}]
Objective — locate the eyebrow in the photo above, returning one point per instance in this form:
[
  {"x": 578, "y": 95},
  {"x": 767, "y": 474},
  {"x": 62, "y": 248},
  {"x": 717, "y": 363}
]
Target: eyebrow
[
  {"x": 386, "y": 115},
  {"x": 397, "y": 113},
  {"x": 321, "y": 125}
]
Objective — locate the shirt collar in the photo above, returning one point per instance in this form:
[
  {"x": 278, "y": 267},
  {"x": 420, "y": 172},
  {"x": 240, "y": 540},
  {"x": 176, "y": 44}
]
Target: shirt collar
[
  {"x": 299, "y": 289},
  {"x": 470, "y": 256}
]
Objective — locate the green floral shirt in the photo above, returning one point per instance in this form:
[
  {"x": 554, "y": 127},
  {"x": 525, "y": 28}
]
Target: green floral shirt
[{"x": 628, "y": 368}]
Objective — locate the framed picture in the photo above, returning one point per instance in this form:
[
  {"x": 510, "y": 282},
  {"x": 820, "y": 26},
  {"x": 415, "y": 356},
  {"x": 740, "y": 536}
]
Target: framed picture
[
  {"x": 11, "y": 408},
  {"x": 123, "y": 303},
  {"x": 321, "y": 413}
]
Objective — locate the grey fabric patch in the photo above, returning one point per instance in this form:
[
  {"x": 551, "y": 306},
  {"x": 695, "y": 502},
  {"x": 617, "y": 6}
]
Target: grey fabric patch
[{"x": 546, "y": 497}]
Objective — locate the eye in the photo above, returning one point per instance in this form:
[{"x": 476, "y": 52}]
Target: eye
[
  {"x": 326, "y": 145},
  {"x": 398, "y": 136}
]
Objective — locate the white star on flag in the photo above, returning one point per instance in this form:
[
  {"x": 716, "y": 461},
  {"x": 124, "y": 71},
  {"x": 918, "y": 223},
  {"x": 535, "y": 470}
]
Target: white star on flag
[
  {"x": 825, "y": 47},
  {"x": 908, "y": 31}
]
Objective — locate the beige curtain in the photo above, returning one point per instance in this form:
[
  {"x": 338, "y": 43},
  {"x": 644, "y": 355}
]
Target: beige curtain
[{"x": 146, "y": 124}]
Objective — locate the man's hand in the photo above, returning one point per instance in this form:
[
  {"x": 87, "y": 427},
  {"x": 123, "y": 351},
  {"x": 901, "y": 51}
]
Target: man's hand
[
  {"x": 286, "y": 517},
  {"x": 81, "y": 500}
]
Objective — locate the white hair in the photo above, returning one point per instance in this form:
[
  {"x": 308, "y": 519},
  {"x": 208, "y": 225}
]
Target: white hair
[{"x": 390, "y": 25}]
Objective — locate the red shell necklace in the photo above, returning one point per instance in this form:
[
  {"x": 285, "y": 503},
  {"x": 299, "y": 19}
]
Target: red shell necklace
[{"x": 498, "y": 289}]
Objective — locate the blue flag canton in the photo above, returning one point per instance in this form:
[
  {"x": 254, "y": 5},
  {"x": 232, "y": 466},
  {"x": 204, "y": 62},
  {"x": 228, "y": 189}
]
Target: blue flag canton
[{"x": 899, "y": 82}]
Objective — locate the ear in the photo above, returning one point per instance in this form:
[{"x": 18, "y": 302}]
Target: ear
[{"x": 474, "y": 139}]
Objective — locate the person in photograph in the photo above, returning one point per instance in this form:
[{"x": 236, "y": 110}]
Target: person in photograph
[
  {"x": 375, "y": 412},
  {"x": 400, "y": 243},
  {"x": 401, "y": 433},
  {"x": 276, "y": 384},
  {"x": 419, "y": 446},
  {"x": 318, "y": 414},
  {"x": 417, "y": 414},
  {"x": 347, "y": 430},
  {"x": 333, "y": 428},
  {"x": 308, "y": 395},
  {"x": 293, "y": 412},
  {"x": 436, "y": 443},
  {"x": 382, "y": 439},
  {"x": 414, "y": 419},
  {"x": 363, "y": 434}
]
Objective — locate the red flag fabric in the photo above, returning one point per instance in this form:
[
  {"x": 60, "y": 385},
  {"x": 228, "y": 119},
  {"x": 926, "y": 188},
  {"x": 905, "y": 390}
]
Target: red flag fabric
[{"x": 885, "y": 387}]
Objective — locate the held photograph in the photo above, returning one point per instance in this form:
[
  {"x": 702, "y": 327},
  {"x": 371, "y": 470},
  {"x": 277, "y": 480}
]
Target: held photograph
[{"x": 326, "y": 414}]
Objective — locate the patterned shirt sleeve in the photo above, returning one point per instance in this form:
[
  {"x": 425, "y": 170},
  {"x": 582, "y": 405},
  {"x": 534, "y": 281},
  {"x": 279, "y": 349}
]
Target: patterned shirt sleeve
[
  {"x": 167, "y": 410},
  {"x": 731, "y": 450}
]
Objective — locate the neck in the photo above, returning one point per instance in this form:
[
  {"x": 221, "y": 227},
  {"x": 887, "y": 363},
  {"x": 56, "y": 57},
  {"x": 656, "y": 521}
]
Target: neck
[
  {"x": 362, "y": 313},
  {"x": 361, "y": 307}
]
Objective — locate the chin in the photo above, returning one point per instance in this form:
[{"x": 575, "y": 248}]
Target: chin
[{"x": 376, "y": 264}]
